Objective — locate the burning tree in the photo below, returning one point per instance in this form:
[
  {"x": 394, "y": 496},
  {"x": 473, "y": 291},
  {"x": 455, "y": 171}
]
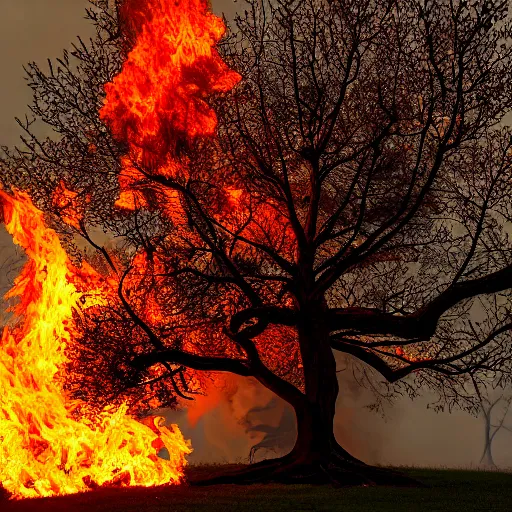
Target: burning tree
[{"x": 340, "y": 182}]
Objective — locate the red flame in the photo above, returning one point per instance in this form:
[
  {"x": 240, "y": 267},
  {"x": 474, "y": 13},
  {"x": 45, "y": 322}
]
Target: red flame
[
  {"x": 157, "y": 104},
  {"x": 158, "y": 101}
]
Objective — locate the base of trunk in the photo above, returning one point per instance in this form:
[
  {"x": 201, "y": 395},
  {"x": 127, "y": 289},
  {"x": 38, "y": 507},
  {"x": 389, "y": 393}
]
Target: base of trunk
[{"x": 334, "y": 469}]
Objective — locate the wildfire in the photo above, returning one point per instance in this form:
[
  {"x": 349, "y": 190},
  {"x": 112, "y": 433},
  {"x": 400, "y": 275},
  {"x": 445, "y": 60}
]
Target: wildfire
[
  {"x": 157, "y": 105},
  {"x": 44, "y": 448}
]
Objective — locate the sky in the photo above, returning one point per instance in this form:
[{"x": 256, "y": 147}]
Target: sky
[{"x": 411, "y": 434}]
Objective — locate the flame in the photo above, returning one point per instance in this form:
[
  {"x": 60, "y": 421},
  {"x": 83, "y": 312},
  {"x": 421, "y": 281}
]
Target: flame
[
  {"x": 48, "y": 444},
  {"x": 410, "y": 357},
  {"x": 67, "y": 202},
  {"x": 157, "y": 106},
  {"x": 157, "y": 103}
]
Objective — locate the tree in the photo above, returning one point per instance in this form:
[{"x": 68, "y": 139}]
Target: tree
[
  {"x": 354, "y": 198},
  {"x": 494, "y": 411}
]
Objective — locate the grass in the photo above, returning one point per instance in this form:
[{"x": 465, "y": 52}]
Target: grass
[{"x": 448, "y": 491}]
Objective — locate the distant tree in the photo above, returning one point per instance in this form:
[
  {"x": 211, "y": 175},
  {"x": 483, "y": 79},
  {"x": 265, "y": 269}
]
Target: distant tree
[
  {"x": 356, "y": 199},
  {"x": 495, "y": 412}
]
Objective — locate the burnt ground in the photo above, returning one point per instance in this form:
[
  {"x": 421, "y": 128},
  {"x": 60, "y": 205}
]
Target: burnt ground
[{"x": 446, "y": 491}]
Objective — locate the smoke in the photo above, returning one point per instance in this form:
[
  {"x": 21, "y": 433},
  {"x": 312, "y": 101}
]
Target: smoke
[
  {"x": 223, "y": 424},
  {"x": 32, "y": 30},
  {"x": 238, "y": 415}
]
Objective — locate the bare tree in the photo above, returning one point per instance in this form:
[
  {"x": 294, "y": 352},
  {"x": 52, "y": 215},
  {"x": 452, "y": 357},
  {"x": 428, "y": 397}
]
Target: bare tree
[
  {"x": 495, "y": 413},
  {"x": 355, "y": 199}
]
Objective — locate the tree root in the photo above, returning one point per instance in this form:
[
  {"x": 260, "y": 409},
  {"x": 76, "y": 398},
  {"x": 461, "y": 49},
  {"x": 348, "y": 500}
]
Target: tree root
[{"x": 295, "y": 469}]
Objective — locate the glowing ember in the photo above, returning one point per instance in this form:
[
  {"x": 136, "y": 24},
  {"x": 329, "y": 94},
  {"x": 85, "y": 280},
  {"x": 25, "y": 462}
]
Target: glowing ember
[{"x": 46, "y": 448}]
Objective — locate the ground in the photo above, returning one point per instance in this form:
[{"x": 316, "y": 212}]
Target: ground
[{"x": 446, "y": 491}]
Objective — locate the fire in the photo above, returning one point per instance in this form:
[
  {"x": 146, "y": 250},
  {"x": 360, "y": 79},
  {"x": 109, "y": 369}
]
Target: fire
[
  {"x": 67, "y": 201},
  {"x": 48, "y": 444},
  {"x": 157, "y": 103}
]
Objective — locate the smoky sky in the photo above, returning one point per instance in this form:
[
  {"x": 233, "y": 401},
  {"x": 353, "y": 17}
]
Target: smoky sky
[{"x": 31, "y": 30}]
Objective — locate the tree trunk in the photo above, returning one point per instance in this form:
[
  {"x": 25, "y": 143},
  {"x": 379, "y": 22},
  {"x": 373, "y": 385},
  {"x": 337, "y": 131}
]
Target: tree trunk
[
  {"x": 315, "y": 421},
  {"x": 316, "y": 457},
  {"x": 487, "y": 454}
]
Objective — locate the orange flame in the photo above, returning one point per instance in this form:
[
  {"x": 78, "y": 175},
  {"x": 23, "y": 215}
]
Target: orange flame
[
  {"x": 67, "y": 202},
  {"x": 44, "y": 449},
  {"x": 157, "y": 103}
]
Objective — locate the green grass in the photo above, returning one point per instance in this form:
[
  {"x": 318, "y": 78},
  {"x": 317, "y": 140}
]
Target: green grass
[{"x": 449, "y": 490}]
